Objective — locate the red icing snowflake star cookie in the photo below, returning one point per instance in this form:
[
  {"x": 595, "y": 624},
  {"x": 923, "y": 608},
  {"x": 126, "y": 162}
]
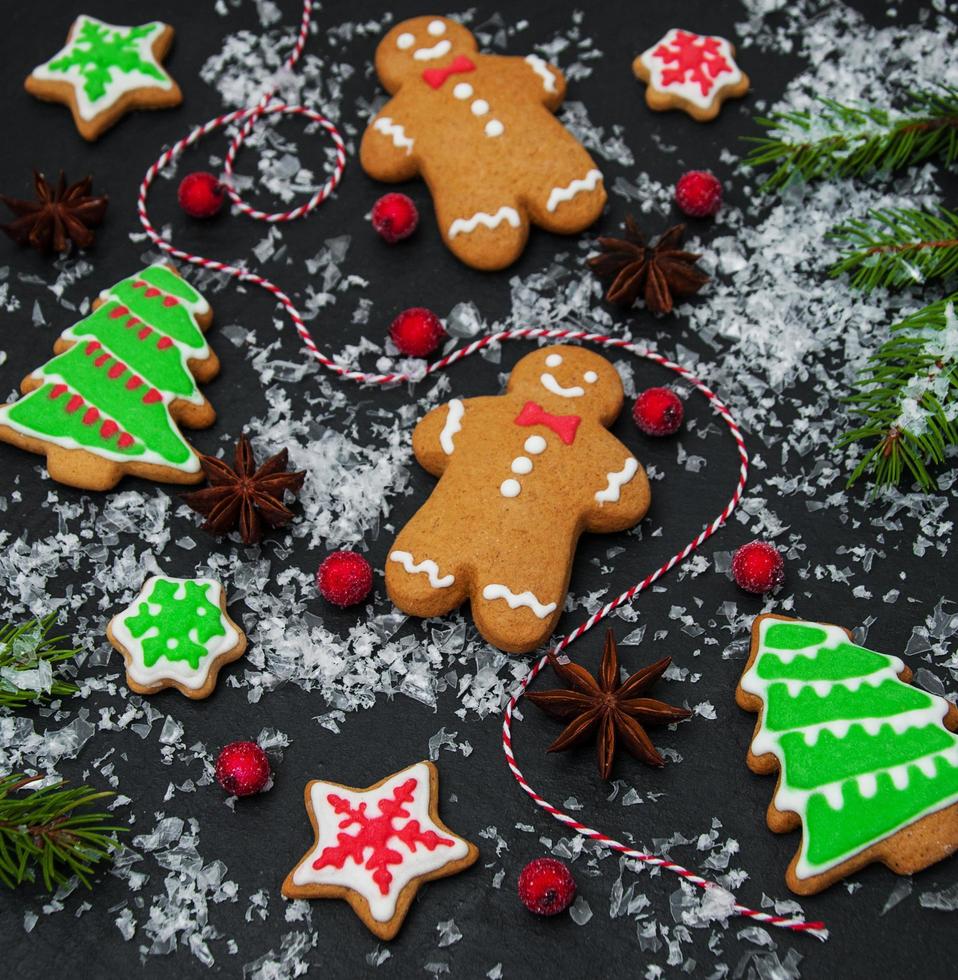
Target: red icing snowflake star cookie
[
  {"x": 690, "y": 71},
  {"x": 375, "y": 847}
]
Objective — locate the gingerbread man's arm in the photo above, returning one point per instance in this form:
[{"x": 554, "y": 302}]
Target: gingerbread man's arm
[
  {"x": 434, "y": 438},
  {"x": 621, "y": 496},
  {"x": 387, "y": 151},
  {"x": 536, "y": 79}
]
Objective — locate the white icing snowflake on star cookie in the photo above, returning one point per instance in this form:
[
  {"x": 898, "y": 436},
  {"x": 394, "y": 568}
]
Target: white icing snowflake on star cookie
[
  {"x": 375, "y": 847},
  {"x": 176, "y": 633},
  {"x": 105, "y": 70},
  {"x": 693, "y": 72}
]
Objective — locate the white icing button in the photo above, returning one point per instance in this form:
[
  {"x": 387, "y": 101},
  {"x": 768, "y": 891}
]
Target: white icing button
[
  {"x": 553, "y": 360},
  {"x": 480, "y": 107},
  {"x": 405, "y": 41},
  {"x": 535, "y": 445},
  {"x": 436, "y": 28},
  {"x": 510, "y": 488},
  {"x": 522, "y": 465},
  {"x": 462, "y": 91},
  {"x": 494, "y": 128},
  {"x": 589, "y": 376}
]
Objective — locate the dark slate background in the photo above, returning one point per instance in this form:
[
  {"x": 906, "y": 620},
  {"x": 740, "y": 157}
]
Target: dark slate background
[{"x": 265, "y": 836}]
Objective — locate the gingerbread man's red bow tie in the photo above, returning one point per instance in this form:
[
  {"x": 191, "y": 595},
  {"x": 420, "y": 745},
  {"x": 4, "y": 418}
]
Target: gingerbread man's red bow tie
[
  {"x": 564, "y": 426},
  {"x": 434, "y": 77}
]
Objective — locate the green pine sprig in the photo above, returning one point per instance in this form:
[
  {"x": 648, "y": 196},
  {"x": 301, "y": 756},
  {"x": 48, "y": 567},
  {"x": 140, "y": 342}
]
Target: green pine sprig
[
  {"x": 29, "y": 647},
  {"x": 838, "y": 140},
  {"x": 897, "y": 247},
  {"x": 46, "y": 830},
  {"x": 905, "y": 398}
]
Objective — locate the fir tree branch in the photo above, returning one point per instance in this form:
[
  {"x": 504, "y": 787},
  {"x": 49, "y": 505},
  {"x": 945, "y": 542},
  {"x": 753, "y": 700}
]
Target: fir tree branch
[
  {"x": 907, "y": 399},
  {"x": 41, "y": 830},
  {"x": 896, "y": 247},
  {"x": 843, "y": 140},
  {"x": 27, "y": 656}
]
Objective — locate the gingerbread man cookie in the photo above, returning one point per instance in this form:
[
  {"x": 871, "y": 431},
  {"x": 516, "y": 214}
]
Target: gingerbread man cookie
[
  {"x": 522, "y": 476},
  {"x": 692, "y": 72},
  {"x": 104, "y": 71},
  {"x": 480, "y": 130}
]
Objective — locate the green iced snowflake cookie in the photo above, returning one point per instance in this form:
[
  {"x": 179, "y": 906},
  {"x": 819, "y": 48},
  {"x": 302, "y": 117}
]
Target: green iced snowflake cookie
[
  {"x": 176, "y": 633},
  {"x": 105, "y": 70}
]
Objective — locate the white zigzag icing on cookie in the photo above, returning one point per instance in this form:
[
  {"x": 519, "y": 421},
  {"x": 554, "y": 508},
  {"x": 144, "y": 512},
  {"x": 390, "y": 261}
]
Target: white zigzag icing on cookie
[
  {"x": 542, "y": 70},
  {"x": 387, "y": 127},
  {"x": 427, "y": 565},
  {"x": 505, "y": 213},
  {"x": 611, "y": 493},
  {"x": 560, "y": 194},
  {"x": 526, "y": 599},
  {"x": 452, "y": 426}
]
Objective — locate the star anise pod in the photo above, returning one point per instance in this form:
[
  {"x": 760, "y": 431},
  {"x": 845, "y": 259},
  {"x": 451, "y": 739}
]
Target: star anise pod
[
  {"x": 60, "y": 214},
  {"x": 659, "y": 273},
  {"x": 609, "y": 706},
  {"x": 243, "y": 496}
]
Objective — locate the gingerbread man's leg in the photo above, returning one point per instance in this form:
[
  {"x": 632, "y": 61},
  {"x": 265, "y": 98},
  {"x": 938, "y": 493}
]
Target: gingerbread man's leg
[
  {"x": 484, "y": 227},
  {"x": 571, "y": 196},
  {"x": 519, "y": 614},
  {"x": 422, "y": 577}
]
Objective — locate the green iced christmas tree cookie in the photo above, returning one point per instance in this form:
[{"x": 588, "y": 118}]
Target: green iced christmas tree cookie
[
  {"x": 868, "y": 764},
  {"x": 110, "y": 401}
]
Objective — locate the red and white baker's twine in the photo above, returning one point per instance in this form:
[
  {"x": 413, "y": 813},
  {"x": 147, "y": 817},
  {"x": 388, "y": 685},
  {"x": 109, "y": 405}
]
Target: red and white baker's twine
[{"x": 269, "y": 105}]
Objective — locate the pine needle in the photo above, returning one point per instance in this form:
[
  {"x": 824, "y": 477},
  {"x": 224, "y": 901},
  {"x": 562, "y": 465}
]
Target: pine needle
[
  {"x": 841, "y": 140},
  {"x": 906, "y": 397},
  {"x": 897, "y": 247},
  {"x": 27, "y": 656},
  {"x": 42, "y": 830}
]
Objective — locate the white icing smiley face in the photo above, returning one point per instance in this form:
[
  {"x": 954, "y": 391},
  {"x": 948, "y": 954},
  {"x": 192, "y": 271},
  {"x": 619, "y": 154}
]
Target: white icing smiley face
[
  {"x": 549, "y": 382},
  {"x": 435, "y": 28},
  {"x": 568, "y": 380}
]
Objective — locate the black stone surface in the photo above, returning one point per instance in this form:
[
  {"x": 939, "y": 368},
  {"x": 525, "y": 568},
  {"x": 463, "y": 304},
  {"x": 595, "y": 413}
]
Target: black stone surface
[{"x": 267, "y": 835}]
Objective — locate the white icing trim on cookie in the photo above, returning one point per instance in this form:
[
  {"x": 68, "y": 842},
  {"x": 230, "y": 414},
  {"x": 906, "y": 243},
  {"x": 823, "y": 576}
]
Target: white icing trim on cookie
[
  {"x": 427, "y": 566},
  {"x": 524, "y": 600},
  {"x": 535, "y": 445},
  {"x": 387, "y": 127},
  {"x": 558, "y": 195},
  {"x": 494, "y": 128},
  {"x": 439, "y": 50},
  {"x": 510, "y": 488},
  {"x": 550, "y": 384},
  {"x": 505, "y": 213},
  {"x": 690, "y": 91},
  {"x": 436, "y": 28},
  {"x": 616, "y": 480},
  {"x": 452, "y": 426},
  {"x": 541, "y": 68}
]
